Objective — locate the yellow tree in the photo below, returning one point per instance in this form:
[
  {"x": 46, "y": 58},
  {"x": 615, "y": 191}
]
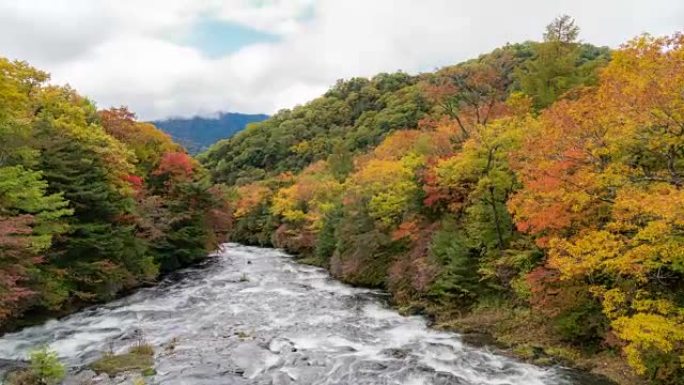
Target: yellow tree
[
  {"x": 147, "y": 142},
  {"x": 602, "y": 192},
  {"x": 311, "y": 196}
]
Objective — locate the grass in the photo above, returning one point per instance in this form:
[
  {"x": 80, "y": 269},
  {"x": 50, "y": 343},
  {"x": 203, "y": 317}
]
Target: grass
[
  {"x": 526, "y": 336},
  {"x": 138, "y": 358},
  {"x": 22, "y": 377}
]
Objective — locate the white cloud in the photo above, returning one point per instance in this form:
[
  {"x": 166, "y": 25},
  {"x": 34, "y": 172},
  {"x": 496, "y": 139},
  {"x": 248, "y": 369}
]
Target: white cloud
[
  {"x": 274, "y": 16},
  {"x": 121, "y": 52}
]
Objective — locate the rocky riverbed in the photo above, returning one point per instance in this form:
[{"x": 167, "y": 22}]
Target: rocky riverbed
[{"x": 253, "y": 316}]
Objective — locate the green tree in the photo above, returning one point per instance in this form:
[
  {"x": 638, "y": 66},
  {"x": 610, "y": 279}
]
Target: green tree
[
  {"x": 340, "y": 162},
  {"x": 101, "y": 252},
  {"x": 45, "y": 366},
  {"x": 29, "y": 220},
  {"x": 457, "y": 283},
  {"x": 562, "y": 29},
  {"x": 560, "y": 63}
]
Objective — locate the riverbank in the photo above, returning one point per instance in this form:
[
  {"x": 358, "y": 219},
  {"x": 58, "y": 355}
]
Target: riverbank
[
  {"x": 521, "y": 335},
  {"x": 39, "y": 316},
  {"x": 517, "y": 333}
]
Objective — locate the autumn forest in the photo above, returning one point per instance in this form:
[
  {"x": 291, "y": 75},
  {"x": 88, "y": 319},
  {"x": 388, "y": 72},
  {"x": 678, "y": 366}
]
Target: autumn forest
[
  {"x": 92, "y": 203},
  {"x": 533, "y": 194}
]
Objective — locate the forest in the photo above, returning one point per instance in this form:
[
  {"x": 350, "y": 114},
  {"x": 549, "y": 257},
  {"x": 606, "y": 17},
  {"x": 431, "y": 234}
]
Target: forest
[
  {"x": 93, "y": 203},
  {"x": 533, "y": 193}
]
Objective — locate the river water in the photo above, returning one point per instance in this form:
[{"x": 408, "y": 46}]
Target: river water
[{"x": 254, "y": 316}]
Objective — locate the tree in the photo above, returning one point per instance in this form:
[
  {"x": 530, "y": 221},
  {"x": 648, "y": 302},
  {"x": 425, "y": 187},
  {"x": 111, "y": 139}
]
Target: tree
[
  {"x": 352, "y": 116},
  {"x": 481, "y": 170},
  {"x": 91, "y": 202},
  {"x": 341, "y": 162},
  {"x": 45, "y": 366},
  {"x": 175, "y": 167},
  {"x": 457, "y": 283},
  {"x": 389, "y": 187},
  {"x": 147, "y": 142},
  {"x": 603, "y": 195},
  {"x": 560, "y": 63},
  {"x": 304, "y": 206},
  {"x": 192, "y": 227},
  {"x": 29, "y": 220},
  {"x": 101, "y": 254},
  {"x": 562, "y": 29},
  {"x": 473, "y": 93}
]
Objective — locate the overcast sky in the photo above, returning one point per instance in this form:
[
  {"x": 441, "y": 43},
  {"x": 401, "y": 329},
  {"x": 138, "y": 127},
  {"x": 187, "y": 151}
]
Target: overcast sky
[{"x": 185, "y": 57}]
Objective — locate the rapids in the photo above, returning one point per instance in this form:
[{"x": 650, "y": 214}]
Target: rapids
[{"x": 253, "y": 316}]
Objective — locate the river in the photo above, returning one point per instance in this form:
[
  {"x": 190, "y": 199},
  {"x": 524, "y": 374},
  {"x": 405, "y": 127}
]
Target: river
[{"x": 253, "y": 316}]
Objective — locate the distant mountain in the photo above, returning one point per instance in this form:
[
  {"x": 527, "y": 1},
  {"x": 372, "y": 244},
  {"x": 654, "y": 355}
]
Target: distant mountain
[{"x": 198, "y": 133}]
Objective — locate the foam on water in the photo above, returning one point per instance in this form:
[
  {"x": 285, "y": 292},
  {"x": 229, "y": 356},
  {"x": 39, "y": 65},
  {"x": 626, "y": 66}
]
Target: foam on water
[{"x": 285, "y": 324}]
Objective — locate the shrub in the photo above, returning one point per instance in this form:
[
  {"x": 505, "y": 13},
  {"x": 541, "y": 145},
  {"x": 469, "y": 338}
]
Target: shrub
[{"x": 46, "y": 367}]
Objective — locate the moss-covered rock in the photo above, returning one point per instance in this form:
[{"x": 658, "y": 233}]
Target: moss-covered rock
[{"x": 138, "y": 358}]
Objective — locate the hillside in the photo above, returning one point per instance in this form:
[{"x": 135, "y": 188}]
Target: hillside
[
  {"x": 196, "y": 134},
  {"x": 533, "y": 193},
  {"x": 92, "y": 202},
  {"x": 356, "y": 114}
]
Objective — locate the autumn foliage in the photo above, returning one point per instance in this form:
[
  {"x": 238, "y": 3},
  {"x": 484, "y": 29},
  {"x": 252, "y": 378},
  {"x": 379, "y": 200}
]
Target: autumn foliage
[
  {"x": 603, "y": 195},
  {"x": 544, "y": 178},
  {"x": 542, "y": 181},
  {"x": 91, "y": 202}
]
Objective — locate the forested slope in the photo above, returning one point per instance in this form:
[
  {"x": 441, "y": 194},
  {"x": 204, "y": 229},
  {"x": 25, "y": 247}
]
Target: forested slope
[
  {"x": 534, "y": 192},
  {"x": 92, "y": 203}
]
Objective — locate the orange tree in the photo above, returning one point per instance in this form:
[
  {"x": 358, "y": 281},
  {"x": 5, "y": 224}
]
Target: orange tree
[{"x": 603, "y": 194}]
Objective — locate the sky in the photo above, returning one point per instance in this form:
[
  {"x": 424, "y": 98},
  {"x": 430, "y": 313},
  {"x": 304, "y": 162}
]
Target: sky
[{"x": 196, "y": 57}]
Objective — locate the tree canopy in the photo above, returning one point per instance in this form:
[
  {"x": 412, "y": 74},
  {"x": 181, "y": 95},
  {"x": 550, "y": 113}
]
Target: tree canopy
[
  {"x": 91, "y": 202},
  {"x": 543, "y": 177}
]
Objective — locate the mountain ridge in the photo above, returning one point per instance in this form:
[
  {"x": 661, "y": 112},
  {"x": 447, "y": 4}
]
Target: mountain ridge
[{"x": 197, "y": 133}]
